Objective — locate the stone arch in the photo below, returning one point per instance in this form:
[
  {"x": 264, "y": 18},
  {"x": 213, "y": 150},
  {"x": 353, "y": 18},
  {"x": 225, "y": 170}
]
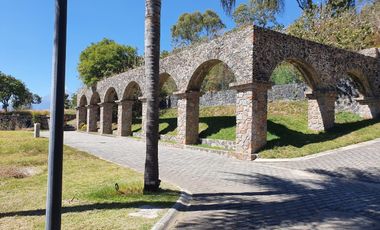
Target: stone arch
[
  {"x": 130, "y": 107},
  {"x": 361, "y": 82},
  {"x": 200, "y": 73},
  {"x": 308, "y": 72},
  {"x": 110, "y": 95},
  {"x": 95, "y": 99},
  {"x": 82, "y": 101},
  {"x": 93, "y": 113},
  {"x": 165, "y": 77},
  {"x": 82, "y": 112},
  {"x": 130, "y": 91}
]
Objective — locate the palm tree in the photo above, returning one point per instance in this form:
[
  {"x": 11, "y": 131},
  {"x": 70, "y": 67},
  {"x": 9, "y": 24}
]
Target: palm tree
[
  {"x": 152, "y": 66},
  {"x": 152, "y": 59}
]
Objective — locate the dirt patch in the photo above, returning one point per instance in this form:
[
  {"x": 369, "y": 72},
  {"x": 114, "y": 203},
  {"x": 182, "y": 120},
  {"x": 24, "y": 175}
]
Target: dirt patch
[{"x": 18, "y": 172}]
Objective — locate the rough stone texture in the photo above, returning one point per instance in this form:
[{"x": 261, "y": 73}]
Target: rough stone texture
[
  {"x": 124, "y": 123},
  {"x": 321, "y": 110},
  {"x": 251, "y": 53},
  {"x": 92, "y": 118},
  {"x": 21, "y": 121},
  {"x": 188, "y": 117},
  {"x": 143, "y": 117},
  {"x": 251, "y": 118},
  {"x": 219, "y": 143},
  {"x": 106, "y": 118},
  {"x": 81, "y": 113}
]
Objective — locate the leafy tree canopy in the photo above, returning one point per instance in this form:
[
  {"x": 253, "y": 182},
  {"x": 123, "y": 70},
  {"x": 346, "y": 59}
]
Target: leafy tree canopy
[
  {"x": 193, "y": 27},
  {"x": 260, "y": 13},
  {"x": 14, "y": 93},
  {"x": 352, "y": 30},
  {"x": 104, "y": 59}
]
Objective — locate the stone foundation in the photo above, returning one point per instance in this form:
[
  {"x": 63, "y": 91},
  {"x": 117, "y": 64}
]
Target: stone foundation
[
  {"x": 124, "y": 123},
  {"x": 106, "y": 118},
  {"x": 321, "y": 110},
  {"x": 188, "y": 117},
  {"x": 92, "y": 118},
  {"x": 369, "y": 108},
  {"x": 251, "y": 118}
]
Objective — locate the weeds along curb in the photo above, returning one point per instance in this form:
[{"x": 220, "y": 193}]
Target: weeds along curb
[{"x": 183, "y": 202}]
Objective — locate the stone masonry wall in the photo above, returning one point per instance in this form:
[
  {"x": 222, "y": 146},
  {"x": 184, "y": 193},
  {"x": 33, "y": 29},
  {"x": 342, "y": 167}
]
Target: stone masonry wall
[
  {"x": 291, "y": 92},
  {"x": 17, "y": 122}
]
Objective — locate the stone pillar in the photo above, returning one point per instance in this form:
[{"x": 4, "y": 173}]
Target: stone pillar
[
  {"x": 188, "y": 117},
  {"x": 37, "y": 129},
  {"x": 251, "y": 118},
  {"x": 369, "y": 107},
  {"x": 143, "y": 114},
  {"x": 321, "y": 110},
  {"x": 106, "y": 118},
  {"x": 92, "y": 118},
  {"x": 124, "y": 118},
  {"x": 81, "y": 116}
]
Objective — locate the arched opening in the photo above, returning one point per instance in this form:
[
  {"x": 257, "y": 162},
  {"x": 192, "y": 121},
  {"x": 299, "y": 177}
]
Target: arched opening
[
  {"x": 206, "y": 112},
  {"x": 82, "y": 114},
  {"x": 299, "y": 106},
  {"x": 354, "y": 98},
  {"x": 287, "y": 102},
  {"x": 109, "y": 112},
  {"x": 130, "y": 111},
  {"x": 168, "y": 105},
  {"x": 93, "y": 113}
]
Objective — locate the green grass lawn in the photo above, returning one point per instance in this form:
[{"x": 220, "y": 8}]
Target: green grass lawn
[
  {"x": 89, "y": 197},
  {"x": 288, "y": 134}
]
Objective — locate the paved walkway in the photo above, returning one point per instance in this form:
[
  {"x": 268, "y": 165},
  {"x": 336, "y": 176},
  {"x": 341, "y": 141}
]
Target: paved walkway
[{"x": 335, "y": 191}]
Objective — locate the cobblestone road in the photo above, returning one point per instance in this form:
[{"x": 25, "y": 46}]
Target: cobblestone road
[{"x": 340, "y": 190}]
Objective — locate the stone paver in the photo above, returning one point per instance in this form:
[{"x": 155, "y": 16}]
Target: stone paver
[{"x": 231, "y": 194}]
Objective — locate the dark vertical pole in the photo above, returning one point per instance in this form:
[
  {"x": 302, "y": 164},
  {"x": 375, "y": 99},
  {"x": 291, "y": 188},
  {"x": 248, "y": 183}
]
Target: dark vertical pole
[{"x": 54, "y": 193}]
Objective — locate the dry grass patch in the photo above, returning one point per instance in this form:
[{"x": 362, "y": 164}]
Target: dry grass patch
[{"x": 90, "y": 200}]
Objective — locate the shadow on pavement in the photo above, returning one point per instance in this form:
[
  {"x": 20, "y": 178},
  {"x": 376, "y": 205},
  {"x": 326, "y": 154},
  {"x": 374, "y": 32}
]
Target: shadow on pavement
[{"x": 328, "y": 203}]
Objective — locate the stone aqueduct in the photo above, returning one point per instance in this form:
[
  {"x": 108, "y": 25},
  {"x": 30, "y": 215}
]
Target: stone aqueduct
[{"x": 251, "y": 54}]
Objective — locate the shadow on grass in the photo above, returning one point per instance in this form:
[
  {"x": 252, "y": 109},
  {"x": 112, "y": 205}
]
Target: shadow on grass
[
  {"x": 285, "y": 202},
  {"x": 90, "y": 207},
  {"x": 215, "y": 124},
  {"x": 134, "y": 122},
  {"x": 298, "y": 139},
  {"x": 172, "y": 125},
  {"x": 98, "y": 206}
]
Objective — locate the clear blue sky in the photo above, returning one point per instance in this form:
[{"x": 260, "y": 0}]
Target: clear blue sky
[{"x": 26, "y": 29}]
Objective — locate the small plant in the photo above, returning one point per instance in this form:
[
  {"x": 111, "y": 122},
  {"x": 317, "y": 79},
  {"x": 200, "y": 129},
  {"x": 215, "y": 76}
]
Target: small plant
[
  {"x": 36, "y": 117},
  {"x": 83, "y": 127}
]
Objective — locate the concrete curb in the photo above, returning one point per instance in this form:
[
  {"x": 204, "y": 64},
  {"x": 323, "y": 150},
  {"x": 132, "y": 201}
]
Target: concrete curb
[
  {"x": 316, "y": 155},
  {"x": 183, "y": 200}
]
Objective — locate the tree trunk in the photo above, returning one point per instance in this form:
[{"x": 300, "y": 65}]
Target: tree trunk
[{"x": 152, "y": 59}]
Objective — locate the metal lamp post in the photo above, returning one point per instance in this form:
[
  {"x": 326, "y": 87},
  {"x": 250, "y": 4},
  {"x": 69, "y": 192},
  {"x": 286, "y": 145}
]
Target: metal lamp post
[{"x": 54, "y": 193}]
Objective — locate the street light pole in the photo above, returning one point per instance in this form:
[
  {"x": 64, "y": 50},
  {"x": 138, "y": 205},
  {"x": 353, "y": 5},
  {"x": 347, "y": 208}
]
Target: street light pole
[{"x": 54, "y": 193}]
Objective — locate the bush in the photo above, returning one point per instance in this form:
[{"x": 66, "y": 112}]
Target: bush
[{"x": 82, "y": 127}]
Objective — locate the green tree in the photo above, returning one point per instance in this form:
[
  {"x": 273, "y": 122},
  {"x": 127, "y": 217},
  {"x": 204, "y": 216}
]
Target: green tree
[
  {"x": 286, "y": 73},
  {"x": 352, "y": 30},
  {"x": 14, "y": 93},
  {"x": 260, "y": 13},
  {"x": 104, "y": 59},
  {"x": 73, "y": 101},
  {"x": 194, "y": 27}
]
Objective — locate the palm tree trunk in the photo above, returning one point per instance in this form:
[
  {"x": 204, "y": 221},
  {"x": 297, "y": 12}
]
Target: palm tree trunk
[{"x": 152, "y": 63}]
